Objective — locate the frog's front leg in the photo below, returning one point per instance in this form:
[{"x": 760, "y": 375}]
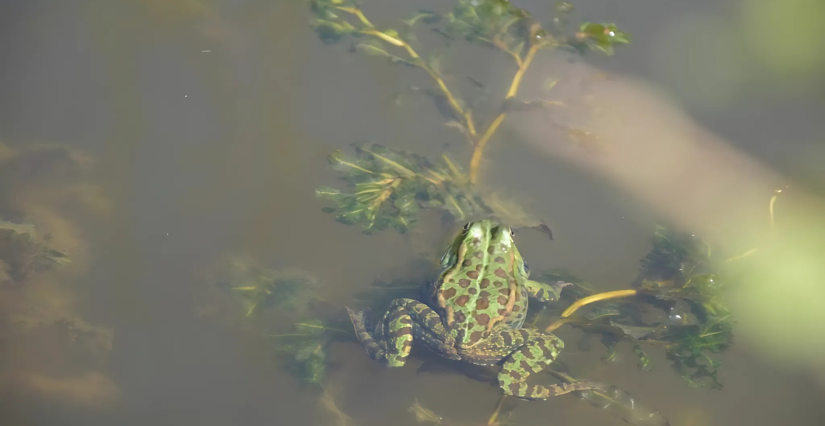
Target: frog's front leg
[
  {"x": 532, "y": 352},
  {"x": 391, "y": 341},
  {"x": 545, "y": 293}
]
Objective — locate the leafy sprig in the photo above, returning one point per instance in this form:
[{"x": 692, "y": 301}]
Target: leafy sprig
[
  {"x": 494, "y": 23},
  {"x": 391, "y": 186},
  {"x": 679, "y": 278}
]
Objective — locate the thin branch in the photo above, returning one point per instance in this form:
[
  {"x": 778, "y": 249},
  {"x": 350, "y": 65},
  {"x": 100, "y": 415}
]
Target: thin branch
[
  {"x": 358, "y": 13},
  {"x": 466, "y": 116},
  {"x": 475, "y": 162}
]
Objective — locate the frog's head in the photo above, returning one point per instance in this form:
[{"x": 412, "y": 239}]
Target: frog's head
[{"x": 484, "y": 236}]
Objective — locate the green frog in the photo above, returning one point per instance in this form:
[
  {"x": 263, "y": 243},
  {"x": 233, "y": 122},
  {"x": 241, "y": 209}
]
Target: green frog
[{"x": 474, "y": 313}]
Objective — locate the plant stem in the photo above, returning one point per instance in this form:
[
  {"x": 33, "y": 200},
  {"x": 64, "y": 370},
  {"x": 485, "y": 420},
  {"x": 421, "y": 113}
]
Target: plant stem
[
  {"x": 596, "y": 298},
  {"x": 556, "y": 324},
  {"x": 466, "y": 116},
  {"x": 494, "y": 418},
  {"x": 358, "y": 13},
  {"x": 586, "y": 301},
  {"x": 478, "y": 150}
]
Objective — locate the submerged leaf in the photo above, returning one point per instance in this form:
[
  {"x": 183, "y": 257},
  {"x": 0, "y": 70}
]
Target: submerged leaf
[
  {"x": 644, "y": 361},
  {"x": 373, "y": 50},
  {"x": 23, "y": 251},
  {"x": 304, "y": 349},
  {"x": 625, "y": 406},
  {"x": 678, "y": 306},
  {"x": 634, "y": 332},
  {"x": 390, "y": 187},
  {"x": 486, "y": 20},
  {"x": 424, "y": 16},
  {"x": 601, "y": 37},
  {"x": 424, "y": 415}
]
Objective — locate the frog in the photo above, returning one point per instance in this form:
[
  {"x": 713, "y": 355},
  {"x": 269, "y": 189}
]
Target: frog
[{"x": 474, "y": 312}]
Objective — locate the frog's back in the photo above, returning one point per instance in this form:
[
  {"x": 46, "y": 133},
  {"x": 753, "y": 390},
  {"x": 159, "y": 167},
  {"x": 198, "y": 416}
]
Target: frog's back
[{"x": 473, "y": 293}]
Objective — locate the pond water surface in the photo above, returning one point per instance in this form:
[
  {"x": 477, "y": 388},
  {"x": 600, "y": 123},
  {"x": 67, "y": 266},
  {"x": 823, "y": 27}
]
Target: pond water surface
[{"x": 210, "y": 122}]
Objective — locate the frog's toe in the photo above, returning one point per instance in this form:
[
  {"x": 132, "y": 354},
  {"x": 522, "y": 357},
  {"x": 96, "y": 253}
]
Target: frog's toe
[{"x": 359, "y": 319}]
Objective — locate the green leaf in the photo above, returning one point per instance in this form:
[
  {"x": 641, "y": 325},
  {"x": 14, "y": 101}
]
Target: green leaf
[
  {"x": 261, "y": 289},
  {"x": 313, "y": 327},
  {"x": 331, "y": 32},
  {"x": 57, "y": 257},
  {"x": 486, "y": 20},
  {"x": 373, "y": 50},
  {"x": 634, "y": 332},
  {"x": 625, "y": 406},
  {"x": 601, "y": 37},
  {"x": 389, "y": 188},
  {"x": 644, "y": 361},
  {"x": 549, "y": 84},
  {"x": 425, "y": 16}
]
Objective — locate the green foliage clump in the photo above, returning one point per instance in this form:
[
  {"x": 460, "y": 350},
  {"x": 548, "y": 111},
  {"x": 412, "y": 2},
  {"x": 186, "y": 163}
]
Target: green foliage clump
[
  {"x": 678, "y": 306},
  {"x": 391, "y": 186},
  {"x": 681, "y": 272},
  {"x": 287, "y": 301}
]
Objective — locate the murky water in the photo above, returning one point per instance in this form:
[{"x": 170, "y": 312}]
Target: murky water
[{"x": 210, "y": 122}]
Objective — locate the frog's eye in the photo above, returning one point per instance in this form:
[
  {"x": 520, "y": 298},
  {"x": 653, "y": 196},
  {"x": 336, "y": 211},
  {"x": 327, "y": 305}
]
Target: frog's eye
[
  {"x": 466, "y": 226},
  {"x": 526, "y": 268},
  {"x": 512, "y": 233}
]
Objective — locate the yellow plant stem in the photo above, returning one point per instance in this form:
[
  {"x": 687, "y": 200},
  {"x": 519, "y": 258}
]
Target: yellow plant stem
[
  {"x": 466, "y": 116},
  {"x": 494, "y": 418},
  {"x": 358, "y": 13},
  {"x": 596, "y": 298},
  {"x": 586, "y": 301},
  {"x": 478, "y": 150},
  {"x": 468, "y": 120},
  {"x": 556, "y": 324}
]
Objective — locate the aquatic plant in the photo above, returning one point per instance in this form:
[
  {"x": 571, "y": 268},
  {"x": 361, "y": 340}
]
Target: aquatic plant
[
  {"x": 390, "y": 186},
  {"x": 293, "y": 317},
  {"x": 387, "y": 188},
  {"x": 23, "y": 251},
  {"x": 677, "y": 304}
]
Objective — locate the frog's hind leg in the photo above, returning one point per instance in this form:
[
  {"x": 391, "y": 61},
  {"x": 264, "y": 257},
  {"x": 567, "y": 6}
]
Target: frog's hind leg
[
  {"x": 391, "y": 341},
  {"x": 536, "y": 353}
]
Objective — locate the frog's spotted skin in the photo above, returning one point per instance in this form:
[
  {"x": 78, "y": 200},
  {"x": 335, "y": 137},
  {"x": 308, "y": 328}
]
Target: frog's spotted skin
[{"x": 478, "y": 306}]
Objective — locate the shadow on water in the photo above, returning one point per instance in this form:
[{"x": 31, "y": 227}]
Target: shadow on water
[{"x": 208, "y": 123}]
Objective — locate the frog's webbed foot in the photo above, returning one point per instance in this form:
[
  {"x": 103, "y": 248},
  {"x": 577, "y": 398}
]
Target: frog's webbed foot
[
  {"x": 391, "y": 340},
  {"x": 363, "y": 332},
  {"x": 360, "y": 319},
  {"x": 545, "y": 293}
]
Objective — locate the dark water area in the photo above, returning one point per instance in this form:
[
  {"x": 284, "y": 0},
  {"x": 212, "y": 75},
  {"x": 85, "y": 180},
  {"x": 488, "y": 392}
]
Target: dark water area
[{"x": 209, "y": 123}]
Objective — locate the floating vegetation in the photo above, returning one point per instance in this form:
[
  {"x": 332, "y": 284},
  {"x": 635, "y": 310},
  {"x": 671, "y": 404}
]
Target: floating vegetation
[
  {"x": 677, "y": 305},
  {"x": 391, "y": 187},
  {"x": 282, "y": 306},
  {"x": 423, "y": 414},
  {"x": 624, "y": 406}
]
